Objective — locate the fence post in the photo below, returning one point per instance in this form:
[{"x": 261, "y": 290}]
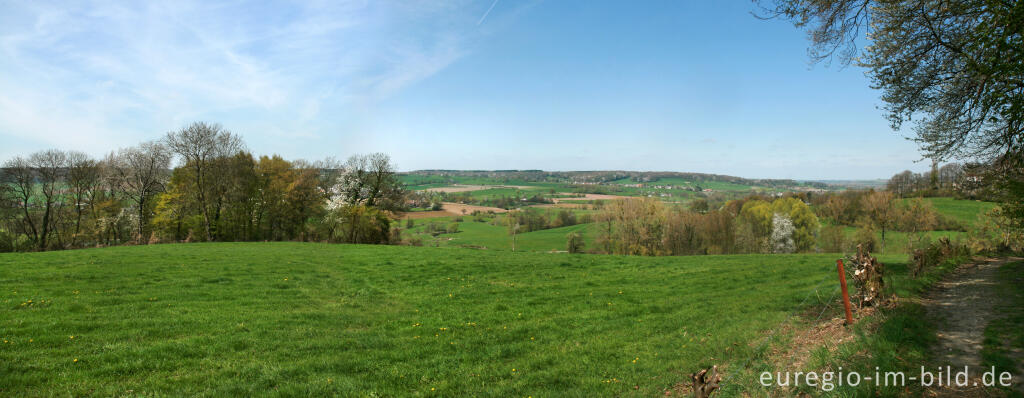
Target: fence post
[{"x": 846, "y": 295}]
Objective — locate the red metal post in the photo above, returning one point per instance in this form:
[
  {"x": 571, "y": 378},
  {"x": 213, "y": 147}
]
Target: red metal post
[{"x": 846, "y": 295}]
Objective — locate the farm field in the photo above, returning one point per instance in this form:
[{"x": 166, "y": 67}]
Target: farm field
[{"x": 313, "y": 319}]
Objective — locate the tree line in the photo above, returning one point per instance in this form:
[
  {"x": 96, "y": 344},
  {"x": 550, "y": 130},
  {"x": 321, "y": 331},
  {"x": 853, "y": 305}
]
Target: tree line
[
  {"x": 199, "y": 183},
  {"x": 964, "y": 181},
  {"x": 751, "y": 225},
  {"x": 798, "y": 222}
]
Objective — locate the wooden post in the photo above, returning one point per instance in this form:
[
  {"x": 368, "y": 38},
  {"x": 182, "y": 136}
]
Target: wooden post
[{"x": 846, "y": 294}]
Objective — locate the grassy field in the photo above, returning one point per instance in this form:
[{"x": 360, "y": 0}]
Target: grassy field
[
  {"x": 301, "y": 319},
  {"x": 966, "y": 211},
  {"x": 485, "y": 235}
]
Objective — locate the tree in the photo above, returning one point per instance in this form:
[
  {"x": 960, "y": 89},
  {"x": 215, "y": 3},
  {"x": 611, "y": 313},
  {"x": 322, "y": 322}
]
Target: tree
[
  {"x": 564, "y": 218},
  {"x": 201, "y": 147},
  {"x": 370, "y": 180},
  {"x": 719, "y": 232},
  {"x": 512, "y": 221},
  {"x": 683, "y": 232},
  {"x": 637, "y": 226},
  {"x": 782, "y": 234},
  {"x": 880, "y": 210},
  {"x": 954, "y": 67},
  {"x": 22, "y": 189},
  {"x": 916, "y": 216},
  {"x": 574, "y": 242},
  {"x": 959, "y": 64},
  {"x": 902, "y": 184},
  {"x": 756, "y": 226},
  {"x": 805, "y": 223},
  {"x": 50, "y": 167},
  {"x": 361, "y": 224},
  {"x": 833, "y": 239},
  {"x": 140, "y": 172},
  {"x": 83, "y": 183},
  {"x": 949, "y": 174}
]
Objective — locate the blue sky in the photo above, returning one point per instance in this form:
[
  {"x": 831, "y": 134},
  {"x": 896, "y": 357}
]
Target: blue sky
[{"x": 557, "y": 85}]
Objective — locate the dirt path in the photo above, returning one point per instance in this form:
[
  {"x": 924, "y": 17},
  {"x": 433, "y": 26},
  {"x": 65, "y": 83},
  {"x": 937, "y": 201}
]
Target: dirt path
[{"x": 962, "y": 306}]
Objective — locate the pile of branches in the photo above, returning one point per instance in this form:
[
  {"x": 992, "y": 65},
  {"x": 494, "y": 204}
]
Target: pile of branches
[
  {"x": 934, "y": 254},
  {"x": 867, "y": 278}
]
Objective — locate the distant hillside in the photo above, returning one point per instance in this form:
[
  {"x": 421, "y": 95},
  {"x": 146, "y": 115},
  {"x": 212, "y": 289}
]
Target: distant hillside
[
  {"x": 854, "y": 184},
  {"x": 598, "y": 177}
]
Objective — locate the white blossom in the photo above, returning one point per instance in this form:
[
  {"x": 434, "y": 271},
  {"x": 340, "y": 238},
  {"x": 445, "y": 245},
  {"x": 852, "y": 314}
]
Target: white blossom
[{"x": 782, "y": 234}]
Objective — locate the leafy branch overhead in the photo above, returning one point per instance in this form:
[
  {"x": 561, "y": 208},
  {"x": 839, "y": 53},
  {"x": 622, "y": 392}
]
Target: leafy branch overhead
[{"x": 957, "y": 67}]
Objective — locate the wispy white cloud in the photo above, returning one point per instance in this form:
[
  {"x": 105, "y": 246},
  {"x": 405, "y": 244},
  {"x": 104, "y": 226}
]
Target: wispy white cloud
[
  {"x": 103, "y": 74},
  {"x": 488, "y": 12}
]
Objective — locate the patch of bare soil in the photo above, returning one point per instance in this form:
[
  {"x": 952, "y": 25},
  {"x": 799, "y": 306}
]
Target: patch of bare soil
[
  {"x": 562, "y": 206},
  {"x": 593, "y": 196},
  {"x": 468, "y": 188},
  {"x": 416, "y": 215},
  {"x": 459, "y": 208},
  {"x": 961, "y": 307}
]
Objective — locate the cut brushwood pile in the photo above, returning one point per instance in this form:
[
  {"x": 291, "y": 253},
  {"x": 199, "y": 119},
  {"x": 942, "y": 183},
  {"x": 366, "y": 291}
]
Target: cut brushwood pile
[
  {"x": 934, "y": 254},
  {"x": 867, "y": 278}
]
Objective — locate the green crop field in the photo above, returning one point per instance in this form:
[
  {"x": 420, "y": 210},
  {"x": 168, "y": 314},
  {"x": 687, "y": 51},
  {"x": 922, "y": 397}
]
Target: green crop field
[{"x": 316, "y": 319}]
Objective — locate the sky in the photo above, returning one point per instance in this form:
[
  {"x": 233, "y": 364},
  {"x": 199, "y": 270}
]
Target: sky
[{"x": 695, "y": 86}]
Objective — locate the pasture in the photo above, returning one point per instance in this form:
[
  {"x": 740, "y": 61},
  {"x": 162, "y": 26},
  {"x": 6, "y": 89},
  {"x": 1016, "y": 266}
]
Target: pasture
[
  {"x": 965, "y": 211},
  {"x": 315, "y": 319}
]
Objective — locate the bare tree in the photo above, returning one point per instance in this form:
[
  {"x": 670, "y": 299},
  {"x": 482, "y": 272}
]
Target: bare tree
[
  {"x": 22, "y": 179},
  {"x": 50, "y": 169},
  {"x": 200, "y": 147},
  {"x": 140, "y": 173},
  {"x": 83, "y": 182},
  {"x": 949, "y": 174},
  {"x": 902, "y": 183},
  {"x": 881, "y": 210}
]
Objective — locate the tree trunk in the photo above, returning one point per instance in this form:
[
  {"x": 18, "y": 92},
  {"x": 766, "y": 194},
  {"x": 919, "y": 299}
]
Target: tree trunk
[
  {"x": 31, "y": 224},
  {"x": 46, "y": 226},
  {"x": 704, "y": 384},
  {"x": 142, "y": 212}
]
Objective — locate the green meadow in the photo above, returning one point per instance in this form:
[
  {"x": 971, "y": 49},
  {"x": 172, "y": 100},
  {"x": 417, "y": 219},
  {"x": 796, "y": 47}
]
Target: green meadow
[
  {"x": 286, "y": 319},
  {"x": 484, "y": 235},
  {"x": 965, "y": 211}
]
